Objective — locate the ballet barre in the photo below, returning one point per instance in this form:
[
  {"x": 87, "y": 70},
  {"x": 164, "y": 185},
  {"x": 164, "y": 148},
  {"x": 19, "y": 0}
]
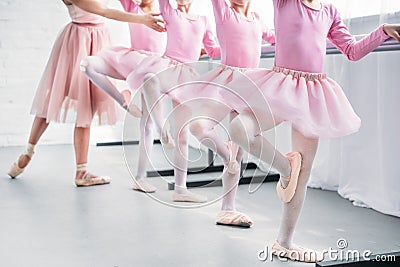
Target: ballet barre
[{"x": 268, "y": 51}]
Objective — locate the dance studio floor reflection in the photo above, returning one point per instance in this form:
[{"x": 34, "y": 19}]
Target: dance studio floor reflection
[{"x": 46, "y": 221}]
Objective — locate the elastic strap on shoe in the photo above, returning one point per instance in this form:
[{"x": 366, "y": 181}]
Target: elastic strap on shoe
[
  {"x": 81, "y": 167},
  {"x": 30, "y": 150}
]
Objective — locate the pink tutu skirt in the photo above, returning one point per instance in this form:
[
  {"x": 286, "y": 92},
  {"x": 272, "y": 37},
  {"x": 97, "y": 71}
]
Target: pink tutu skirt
[
  {"x": 170, "y": 73},
  {"x": 220, "y": 85},
  {"x": 314, "y": 104},
  {"x": 124, "y": 60},
  {"x": 64, "y": 93}
]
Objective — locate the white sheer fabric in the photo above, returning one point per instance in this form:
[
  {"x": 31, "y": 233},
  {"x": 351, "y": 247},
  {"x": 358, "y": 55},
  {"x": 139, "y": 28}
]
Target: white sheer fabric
[{"x": 364, "y": 167}]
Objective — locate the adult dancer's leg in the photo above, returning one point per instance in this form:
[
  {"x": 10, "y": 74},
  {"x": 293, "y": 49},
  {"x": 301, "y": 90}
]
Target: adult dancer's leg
[
  {"x": 39, "y": 126},
  {"x": 81, "y": 145}
]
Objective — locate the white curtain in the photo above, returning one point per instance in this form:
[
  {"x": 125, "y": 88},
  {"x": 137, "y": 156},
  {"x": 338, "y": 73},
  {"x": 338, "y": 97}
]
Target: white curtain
[{"x": 365, "y": 167}]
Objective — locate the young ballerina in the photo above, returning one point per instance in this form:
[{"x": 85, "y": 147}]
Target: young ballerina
[
  {"x": 299, "y": 93},
  {"x": 64, "y": 92},
  {"x": 240, "y": 33},
  {"x": 118, "y": 63},
  {"x": 157, "y": 75}
]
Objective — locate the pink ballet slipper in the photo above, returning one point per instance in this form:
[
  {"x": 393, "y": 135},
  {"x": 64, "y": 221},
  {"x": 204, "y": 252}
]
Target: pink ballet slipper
[
  {"x": 15, "y": 170},
  {"x": 88, "y": 180},
  {"x": 232, "y": 166},
  {"x": 143, "y": 186},
  {"x": 188, "y": 197},
  {"x": 286, "y": 194},
  {"x": 167, "y": 140},
  {"x": 233, "y": 218},
  {"x": 297, "y": 253},
  {"x": 129, "y": 106}
]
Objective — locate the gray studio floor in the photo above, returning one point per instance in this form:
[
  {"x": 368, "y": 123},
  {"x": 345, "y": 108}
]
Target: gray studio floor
[{"x": 46, "y": 221}]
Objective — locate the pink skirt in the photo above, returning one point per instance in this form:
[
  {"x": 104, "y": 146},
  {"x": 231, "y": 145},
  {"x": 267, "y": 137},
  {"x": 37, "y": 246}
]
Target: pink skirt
[
  {"x": 314, "y": 104},
  {"x": 170, "y": 73},
  {"x": 220, "y": 85},
  {"x": 64, "y": 93},
  {"x": 124, "y": 60}
]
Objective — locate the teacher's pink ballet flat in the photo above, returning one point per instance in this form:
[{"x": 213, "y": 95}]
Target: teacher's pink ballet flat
[
  {"x": 297, "y": 253},
  {"x": 233, "y": 218},
  {"x": 286, "y": 194},
  {"x": 15, "y": 170},
  {"x": 88, "y": 179},
  {"x": 143, "y": 186}
]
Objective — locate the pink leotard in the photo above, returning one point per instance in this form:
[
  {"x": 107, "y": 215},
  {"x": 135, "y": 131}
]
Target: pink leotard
[
  {"x": 142, "y": 37},
  {"x": 240, "y": 37},
  {"x": 301, "y": 34},
  {"x": 185, "y": 36}
]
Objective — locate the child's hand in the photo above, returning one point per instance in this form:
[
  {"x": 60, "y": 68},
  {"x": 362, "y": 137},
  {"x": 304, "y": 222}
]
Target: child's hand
[
  {"x": 151, "y": 21},
  {"x": 392, "y": 30}
]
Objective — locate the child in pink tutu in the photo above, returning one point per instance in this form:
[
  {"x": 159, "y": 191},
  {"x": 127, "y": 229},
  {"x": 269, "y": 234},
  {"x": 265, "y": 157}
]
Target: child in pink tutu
[
  {"x": 119, "y": 62},
  {"x": 156, "y": 75},
  {"x": 65, "y": 94},
  {"x": 240, "y": 33},
  {"x": 294, "y": 91},
  {"x": 298, "y": 92}
]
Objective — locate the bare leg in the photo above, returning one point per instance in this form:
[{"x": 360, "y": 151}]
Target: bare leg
[
  {"x": 291, "y": 211},
  {"x": 81, "y": 145},
  {"x": 38, "y": 128}
]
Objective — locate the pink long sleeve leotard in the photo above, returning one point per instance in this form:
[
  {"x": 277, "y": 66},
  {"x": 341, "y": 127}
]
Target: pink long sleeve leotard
[
  {"x": 240, "y": 37},
  {"x": 301, "y": 34},
  {"x": 185, "y": 36},
  {"x": 142, "y": 37}
]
